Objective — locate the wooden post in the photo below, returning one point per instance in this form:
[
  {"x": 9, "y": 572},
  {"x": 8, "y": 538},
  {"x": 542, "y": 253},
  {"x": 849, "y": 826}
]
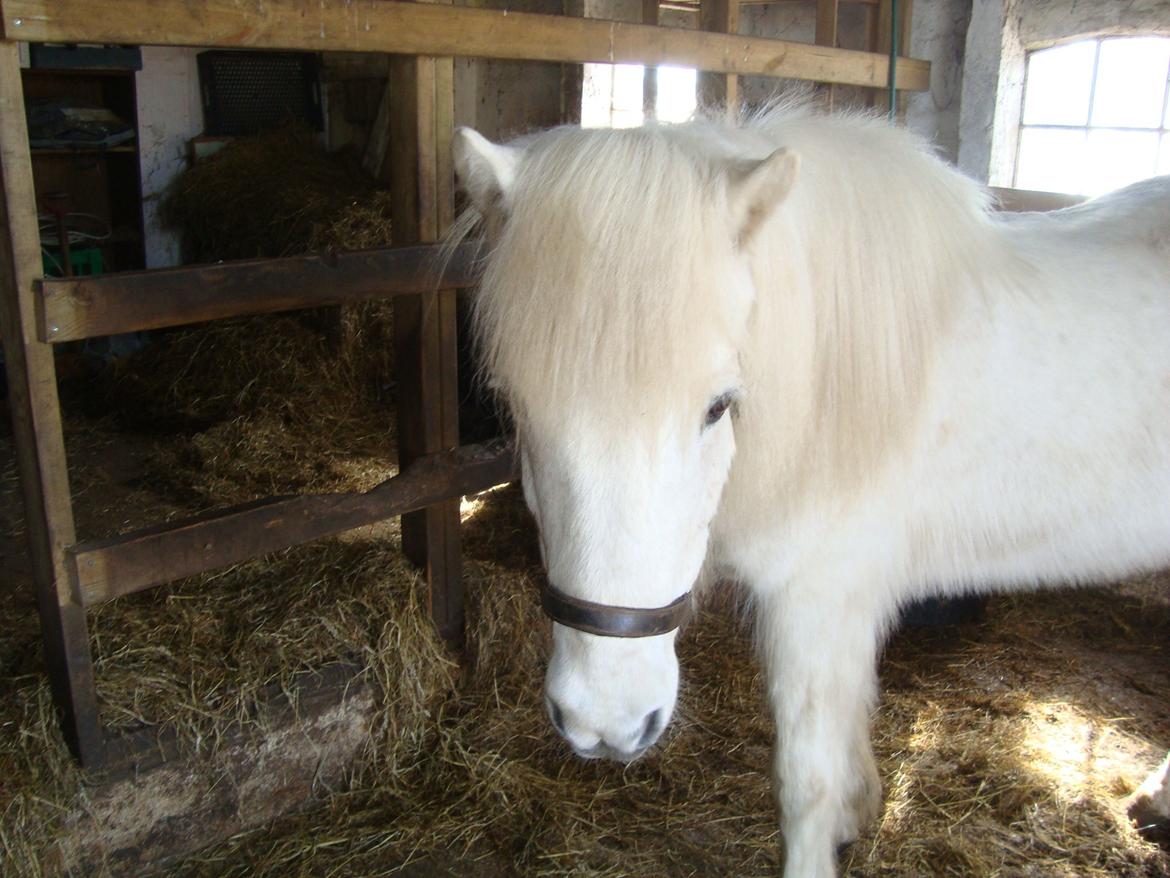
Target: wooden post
[
  {"x": 826, "y": 35},
  {"x": 719, "y": 16},
  {"x": 650, "y": 73},
  {"x": 422, "y": 114},
  {"x": 36, "y": 424}
]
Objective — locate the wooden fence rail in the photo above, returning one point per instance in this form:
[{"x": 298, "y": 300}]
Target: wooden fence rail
[
  {"x": 429, "y": 29},
  {"x": 106, "y": 569},
  {"x": 84, "y": 307}
]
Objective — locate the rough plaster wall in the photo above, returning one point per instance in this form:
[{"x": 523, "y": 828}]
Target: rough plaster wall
[
  {"x": 991, "y": 73},
  {"x": 169, "y": 115},
  {"x": 938, "y": 35},
  {"x": 797, "y": 22},
  {"x": 1000, "y": 34},
  {"x": 504, "y": 98},
  {"x": 1043, "y": 22}
]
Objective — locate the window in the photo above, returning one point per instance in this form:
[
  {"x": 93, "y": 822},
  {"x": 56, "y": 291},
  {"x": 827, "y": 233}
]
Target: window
[
  {"x": 611, "y": 95},
  {"x": 1095, "y": 115}
]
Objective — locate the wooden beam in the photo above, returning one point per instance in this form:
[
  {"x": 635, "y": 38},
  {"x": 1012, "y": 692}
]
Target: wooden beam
[
  {"x": 106, "y": 569},
  {"x": 419, "y": 28},
  {"x": 650, "y": 10},
  {"x": 826, "y": 35},
  {"x": 826, "y": 32},
  {"x": 36, "y": 423},
  {"x": 85, "y": 307},
  {"x": 375, "y": 155},
  {"x": 719, "y": 89},
  {"x": 422, "y": 177}
]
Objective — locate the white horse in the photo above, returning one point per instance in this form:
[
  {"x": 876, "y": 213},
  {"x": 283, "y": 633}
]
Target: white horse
[{"x": 802, "y": 353}]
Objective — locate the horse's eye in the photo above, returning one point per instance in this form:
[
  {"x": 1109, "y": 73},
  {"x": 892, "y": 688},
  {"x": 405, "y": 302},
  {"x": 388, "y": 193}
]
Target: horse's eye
[{"x": 718, "y": 409}]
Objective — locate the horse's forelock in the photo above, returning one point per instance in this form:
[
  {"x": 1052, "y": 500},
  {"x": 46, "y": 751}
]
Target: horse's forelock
[{"x": 600, "y": 287}]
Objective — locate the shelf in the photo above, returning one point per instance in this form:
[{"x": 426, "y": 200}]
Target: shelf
[{"x": 123, "y": 149}]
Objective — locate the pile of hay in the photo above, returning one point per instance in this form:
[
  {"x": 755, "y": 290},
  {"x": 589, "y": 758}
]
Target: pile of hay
[
  {"x": 277, "y": 194},
  {"x": 257, "y": 406}
]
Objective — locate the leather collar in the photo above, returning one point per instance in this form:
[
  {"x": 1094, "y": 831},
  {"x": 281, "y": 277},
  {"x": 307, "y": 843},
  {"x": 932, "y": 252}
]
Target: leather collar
[{"x": 609, "y": 621}]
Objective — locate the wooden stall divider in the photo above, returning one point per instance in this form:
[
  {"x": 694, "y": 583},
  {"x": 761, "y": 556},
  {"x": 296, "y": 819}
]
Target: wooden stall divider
[
  {"x": 422, "y": 100},
  {"x": 70, "y": 309},
  {"x": 424, "y": 28},
  {"x": 36, "y": 424},
  {"x": 434, "y": 471}
]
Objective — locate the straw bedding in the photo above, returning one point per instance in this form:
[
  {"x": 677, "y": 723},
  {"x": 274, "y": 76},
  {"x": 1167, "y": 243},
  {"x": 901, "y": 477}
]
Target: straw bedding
[{"x": 1005, "y": 746}]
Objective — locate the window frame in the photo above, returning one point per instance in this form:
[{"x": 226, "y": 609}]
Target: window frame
[{"x": 1162, "y": 130}]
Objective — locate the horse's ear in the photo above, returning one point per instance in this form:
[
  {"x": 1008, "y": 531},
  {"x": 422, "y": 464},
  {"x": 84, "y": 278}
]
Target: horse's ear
[
  {"x": 757, "y": 188},
  {"x": 486, "y": 170}
]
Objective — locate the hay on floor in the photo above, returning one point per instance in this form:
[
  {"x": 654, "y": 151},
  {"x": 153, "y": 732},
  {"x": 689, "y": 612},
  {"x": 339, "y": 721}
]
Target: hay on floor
[{"x": 1005, "y": 746}]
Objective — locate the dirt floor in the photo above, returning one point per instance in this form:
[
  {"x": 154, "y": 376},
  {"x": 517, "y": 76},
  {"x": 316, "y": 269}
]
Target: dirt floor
[{"x": 1005, "y": 745}]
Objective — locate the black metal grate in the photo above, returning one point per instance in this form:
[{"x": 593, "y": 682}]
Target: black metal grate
[{"x": 249, "y": 92}]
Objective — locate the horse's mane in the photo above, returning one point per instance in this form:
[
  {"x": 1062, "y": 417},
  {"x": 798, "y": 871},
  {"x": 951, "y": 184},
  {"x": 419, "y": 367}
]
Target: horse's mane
[{"x": 605, "y": 275}]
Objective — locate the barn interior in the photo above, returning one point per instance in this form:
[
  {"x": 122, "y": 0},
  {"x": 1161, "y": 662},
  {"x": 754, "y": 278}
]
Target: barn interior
[{"x": 324, "y": 704}]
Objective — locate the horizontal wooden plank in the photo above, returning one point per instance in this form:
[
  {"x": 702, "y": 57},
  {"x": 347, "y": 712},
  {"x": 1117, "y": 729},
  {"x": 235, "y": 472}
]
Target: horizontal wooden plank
[
  {"x": 429, "y": 29},
  {"x": 107, "y": 569},
  {"x": 84, "y": 307}
]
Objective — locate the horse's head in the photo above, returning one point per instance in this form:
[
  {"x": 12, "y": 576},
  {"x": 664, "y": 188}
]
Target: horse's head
[{"x": 613, "y": 305}]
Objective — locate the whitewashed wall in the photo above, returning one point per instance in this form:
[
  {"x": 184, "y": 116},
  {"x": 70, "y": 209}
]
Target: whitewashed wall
[{"x": 169, "y": 115}]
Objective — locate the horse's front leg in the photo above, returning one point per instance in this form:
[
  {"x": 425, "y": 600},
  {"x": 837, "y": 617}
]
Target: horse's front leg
[{"x": 820, "y": 645}]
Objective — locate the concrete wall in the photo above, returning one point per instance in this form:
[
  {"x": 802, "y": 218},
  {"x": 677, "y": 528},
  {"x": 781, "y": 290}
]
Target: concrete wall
[
  {"x": 1000, "y": 34},
  {"x": 939, "y": 35}
]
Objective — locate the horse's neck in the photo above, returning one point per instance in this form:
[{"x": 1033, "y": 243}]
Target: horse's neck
[{"x": 857, "y": 287}]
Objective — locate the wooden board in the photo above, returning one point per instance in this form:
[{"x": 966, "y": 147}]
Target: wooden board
[
  {"x": 420, "y": 28},
  {"x": 422, "y": 177},
  {"x": 84, "y": 307},
  {"x": 826, "y": 35},
  {"x": 36, "y": 423},
  {"x": 106, "y": 569}
]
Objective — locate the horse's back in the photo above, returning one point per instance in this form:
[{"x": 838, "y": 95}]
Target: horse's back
[{"x": 1137, "y": 214}]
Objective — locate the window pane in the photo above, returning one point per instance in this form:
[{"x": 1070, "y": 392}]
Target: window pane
[
  {"x": 1164, "y": 156},
  {"x": 1050, "y": 160},
  {"x": 1131, "y": 82},
  {"x": 597, "y": 96},
  {"x": 676, "y": 94},
  {"x": 1118, "y": 158},
  {"x": 1059, "y": 83}
]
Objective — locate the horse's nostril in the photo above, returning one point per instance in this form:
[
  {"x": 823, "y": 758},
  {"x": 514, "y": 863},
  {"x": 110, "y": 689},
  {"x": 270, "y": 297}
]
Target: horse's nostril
[
  {"x": 651, "y": 729},
  {"x": 558, "y": 718}
]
